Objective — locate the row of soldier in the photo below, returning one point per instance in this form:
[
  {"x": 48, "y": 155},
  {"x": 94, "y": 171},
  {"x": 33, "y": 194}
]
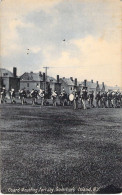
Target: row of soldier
[{"x": 85, "y": 99}]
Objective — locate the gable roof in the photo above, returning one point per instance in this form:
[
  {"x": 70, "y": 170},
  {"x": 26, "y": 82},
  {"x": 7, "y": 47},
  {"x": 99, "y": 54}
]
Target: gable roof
[
  {"x": 35, "y": 77},
  {"x": 31, "y": 77},
  {"x": 67, "y": 81},
  {"x": 51, "y": 79},
  {"x": 91, "y": 85},
  {"x": 5, "y": 73}
]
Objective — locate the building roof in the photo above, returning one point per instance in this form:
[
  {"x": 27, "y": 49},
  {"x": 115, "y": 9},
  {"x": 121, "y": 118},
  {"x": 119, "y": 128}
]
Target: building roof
[
  {"x": 91, "y": 85},
  {"x": 68, "y": 81},
  {"x": 5, "y": 73},
  {"x": 51, "y": 79},
  {"x": 114, "y": 88},
  {"x": 35, "y": 77},
  {"x": 31, "y": 77}
]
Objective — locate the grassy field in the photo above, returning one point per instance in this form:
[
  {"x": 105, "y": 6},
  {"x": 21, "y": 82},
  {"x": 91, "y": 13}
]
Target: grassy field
[{"x": 59, "y": 150}]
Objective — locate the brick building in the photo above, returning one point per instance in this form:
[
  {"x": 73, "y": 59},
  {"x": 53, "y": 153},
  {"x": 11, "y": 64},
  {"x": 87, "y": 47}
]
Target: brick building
[
  {"x": 9, "y": 80},
  {"x": 38, "y": 81}
]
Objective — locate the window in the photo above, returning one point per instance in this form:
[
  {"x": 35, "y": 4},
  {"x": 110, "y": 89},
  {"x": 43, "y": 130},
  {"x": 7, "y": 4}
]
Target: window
[
  {"x": 5, "y": 74},
  {"x": 71, "y": 88},
  {"x": 27, "y": 84}
]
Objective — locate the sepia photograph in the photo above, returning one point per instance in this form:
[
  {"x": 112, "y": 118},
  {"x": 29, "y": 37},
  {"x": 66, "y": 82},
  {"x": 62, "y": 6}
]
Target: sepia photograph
[{"x": 61, "y": 96}]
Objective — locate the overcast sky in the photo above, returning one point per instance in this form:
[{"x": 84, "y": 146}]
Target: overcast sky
[{"x": 91, "y": 29}]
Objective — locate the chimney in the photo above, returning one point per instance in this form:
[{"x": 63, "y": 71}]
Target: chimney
[
  {"x": 43, "y": 77},
  {"x": 71, "y": 78},
  {"x": 85, "y": 82},
  {"x": 40, "y": 73},
  {"x": 97, "y": 83},
  {"x": 102, "y": 83},
  {"x": 91, "y": 81},
  {"x": 75, "y": 82},
  {"x": 14, "y": 71},
  {"x": 57, "y": 78}
]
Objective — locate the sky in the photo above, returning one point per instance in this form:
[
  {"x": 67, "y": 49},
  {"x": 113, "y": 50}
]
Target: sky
[{"x": 74, "y": 38}]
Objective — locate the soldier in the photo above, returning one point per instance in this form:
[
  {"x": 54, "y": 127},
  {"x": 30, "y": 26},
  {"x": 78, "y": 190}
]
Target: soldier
[
  {"x": 64, "y": 98},
  {"x": 84, "y": 97},
  {"x": 75, "y": 102},
  {"x": 12, "y": 96},
  {"x": 109, "y": 99},
  {"x": 98, "y": 98},
  {"x": 118, "y": 99},
  {"x": 113, "y": 99},
  {"x": 41, "y": 94},
  {"x": 91, "y": 98},
  {"x": 34, "y": 94},
  {"x": 54, "y": 96},
  {"x": 22, "y": 96},
  {"x": 103, "y": 100},
  {"x": 3, "y": 95}
]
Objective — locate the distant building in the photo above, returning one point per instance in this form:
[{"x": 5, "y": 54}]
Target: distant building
[
  {"x": 31, "y": 81},
  {"x": 67, "y": 84},
  {"x": 92, "y": 86},
  {"x": 114, "y": 88},
  {"x": 9, "y": 80},
  {"x": 37, "y": 81}
]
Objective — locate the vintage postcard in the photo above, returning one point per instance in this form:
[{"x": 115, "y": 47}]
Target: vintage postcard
[{"x": 61, "y": 96}]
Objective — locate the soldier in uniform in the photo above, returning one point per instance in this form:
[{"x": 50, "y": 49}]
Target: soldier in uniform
[
  {"x": 91, "y": 98},
  {"x": 84, "y": 97},
  {"x": 34, "y": 94},
  {"x": 3, "y": 95},
  {"x": 75, "y": 102},
  {"x": 41, "y": 94},
  {"x": 12, "y": 96},
  {"x": 22, "y": 96},
  {"x": 54, "y": 96},
  {"x": 64, "y": 98},
  {"x": 109, "y": 99},
  {"x": 98, "y": 98},
  {"x": 118, "y": 99},
  {"x": 103, "y": 100},
  {"x": 113, "y": 99}
]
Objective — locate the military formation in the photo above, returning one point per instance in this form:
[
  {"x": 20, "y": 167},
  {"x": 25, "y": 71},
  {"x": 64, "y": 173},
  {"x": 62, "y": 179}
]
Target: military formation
[{"x": 85, "y": 99}]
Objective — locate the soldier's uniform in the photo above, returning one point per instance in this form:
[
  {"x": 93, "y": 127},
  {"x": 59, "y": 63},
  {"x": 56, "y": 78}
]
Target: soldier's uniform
[
  {"x": 34, "y": 94},
  {"x": 98, "y": 98},
  {"x": 109, "y": 99},
  {"x": 64, "y": 98},
  {"x": 12, "y": 96},
  {"x": 3, "y": 95},
  {"x": 91, "y": 98},
  {"x": 23, "y": 96},
  {"x": 84, "y": 97},
  {"x": 54, "y": 96},
  {"x": 41, "y": 94},
  {"x": 75, "y": 102}
]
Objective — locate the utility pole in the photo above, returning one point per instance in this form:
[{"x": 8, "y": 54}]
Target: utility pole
[{"x": 46, "y": 67}]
